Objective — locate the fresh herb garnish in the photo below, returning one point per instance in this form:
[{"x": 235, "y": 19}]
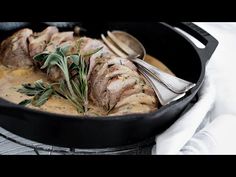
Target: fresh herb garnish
[
  {"x": 25, "y": 102},
  {"x": 40, "y": 92},
  {"x": 72, "y": 87}
]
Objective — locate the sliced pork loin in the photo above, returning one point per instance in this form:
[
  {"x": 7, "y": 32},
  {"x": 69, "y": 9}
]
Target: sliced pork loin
[
  {"x": 113, "y": 80},
  {"x": 60, "y": 40},
  {"x": 116, "y": 87},
  {"x": 104, "y": 77},
  {"x": 14, "y": 50},
  {"x": 135, "y": 102},
  {"x": 132, "y": 109},
  {"x": 106, "y": 69},
  {"x": 140, "y": 98},
  {"x": 49, "y": 40},
  {"x": 39, "y": 41},
  {"x": 88, "y": 45}
]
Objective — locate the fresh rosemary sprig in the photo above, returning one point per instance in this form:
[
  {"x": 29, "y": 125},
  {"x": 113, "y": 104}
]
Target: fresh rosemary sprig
[{"x": 40, "y": 92}]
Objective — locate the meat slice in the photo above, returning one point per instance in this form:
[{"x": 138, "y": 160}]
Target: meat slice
[
  {"x": 148, "y": 90},
  {"x": 135, "y": 89},
  {"x": 103, "y": 75},
  {"x": 89, "y": 44},
  {"x": 139, "y": 94},
  {"x": 106, "y": 94},
  {"x": 39, "y": 41},
  {"x": 136, "y": 103},
  {"x": 140, "y": 98},
  {"x": 14, "y": 50},
  {"x": 122, "y": 61},
  {"x": 116, "y": 87},
  {"x": 103, "y": 65},
  {"x": 113, "y": 79},
  {"x": 55, "y": 74},
  {"x": 60, "y": 39},
  {"x": 131, "y": 109}
]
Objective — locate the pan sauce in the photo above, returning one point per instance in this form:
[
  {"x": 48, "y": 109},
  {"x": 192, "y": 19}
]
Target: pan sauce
[{"x": 11, "y": 80}]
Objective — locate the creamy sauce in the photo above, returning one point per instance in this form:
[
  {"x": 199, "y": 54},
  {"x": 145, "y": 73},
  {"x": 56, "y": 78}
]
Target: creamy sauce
[
  {"x": 155, "y": 62},
  {"x": 12, "y": 79}
]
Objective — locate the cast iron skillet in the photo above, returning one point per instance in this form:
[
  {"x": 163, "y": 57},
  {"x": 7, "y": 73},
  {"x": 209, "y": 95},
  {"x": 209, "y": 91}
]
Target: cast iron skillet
[{"x": 161, "y": 41}]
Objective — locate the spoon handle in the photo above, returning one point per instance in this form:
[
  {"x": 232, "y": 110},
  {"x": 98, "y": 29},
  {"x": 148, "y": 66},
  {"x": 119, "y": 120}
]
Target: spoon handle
[
  {"x": 173, "y": 83},
  {"x": 165, "y": 96}
]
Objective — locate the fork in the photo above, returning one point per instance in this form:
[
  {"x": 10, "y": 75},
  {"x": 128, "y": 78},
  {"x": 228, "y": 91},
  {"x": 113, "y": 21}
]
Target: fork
[
  {"x": 173, "y": 83},
  {"x": 164, "y": 94}
]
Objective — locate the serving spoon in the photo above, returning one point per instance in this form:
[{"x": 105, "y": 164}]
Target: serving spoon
[
  {"x": 131, "y": 46},
  {"x": 168, "y": 88}
]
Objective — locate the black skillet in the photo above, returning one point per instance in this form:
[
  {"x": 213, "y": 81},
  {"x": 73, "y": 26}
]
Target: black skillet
[{"x": 161, "y": 41}]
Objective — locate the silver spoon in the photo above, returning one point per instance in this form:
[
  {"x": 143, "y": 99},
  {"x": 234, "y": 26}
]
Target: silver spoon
[
  {"x": 164, "y": 94},
  {"x": 131, "y": 46}
]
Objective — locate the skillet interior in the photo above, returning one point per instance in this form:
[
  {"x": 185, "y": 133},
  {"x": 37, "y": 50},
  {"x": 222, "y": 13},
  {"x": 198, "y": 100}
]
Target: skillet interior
[{"x": 161, "y": 42}]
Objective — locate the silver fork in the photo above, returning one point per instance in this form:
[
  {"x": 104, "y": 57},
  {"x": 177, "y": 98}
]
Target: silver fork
[
  {"x": 173, "y": 83},
  {"x": 164, "y": 94}
]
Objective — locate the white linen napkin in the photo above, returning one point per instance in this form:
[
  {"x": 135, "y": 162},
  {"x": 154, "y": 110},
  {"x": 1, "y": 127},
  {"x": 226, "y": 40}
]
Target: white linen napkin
[
  {"x": 218, "y": 137},
  {"x": 174, "y": 138}
]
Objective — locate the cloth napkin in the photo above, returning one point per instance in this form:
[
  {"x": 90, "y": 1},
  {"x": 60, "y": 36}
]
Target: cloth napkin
[
  {"x": 209, "y": 127},
  {"x": 174, "y": 138}
]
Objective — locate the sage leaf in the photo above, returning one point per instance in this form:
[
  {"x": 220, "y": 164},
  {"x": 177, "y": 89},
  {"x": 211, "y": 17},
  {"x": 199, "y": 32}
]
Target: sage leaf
[
  {"x": 25, "y": 102},
  {"x": 41, "y": 57},
  {"x": 52, "y": 59}
]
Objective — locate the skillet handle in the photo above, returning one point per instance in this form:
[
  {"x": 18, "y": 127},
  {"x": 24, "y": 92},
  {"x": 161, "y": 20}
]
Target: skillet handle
[{"x": 204, "y": 37}]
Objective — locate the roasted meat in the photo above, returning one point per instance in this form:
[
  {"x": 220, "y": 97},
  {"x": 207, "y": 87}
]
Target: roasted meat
[
  {"x": 48, "y": 40},
  {"x": 14, "y": 50},
  {"x": 39, "y": 41},
  {"x": 89, "y": 44},
  {"x": 105, "y": 74},
  {"x": 116, "y": 85},
  {"x": 59, "y": 40}
]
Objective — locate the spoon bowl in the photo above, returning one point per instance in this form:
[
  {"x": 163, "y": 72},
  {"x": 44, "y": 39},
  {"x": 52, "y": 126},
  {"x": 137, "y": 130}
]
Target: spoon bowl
[{"x": 133, "y": 43}]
